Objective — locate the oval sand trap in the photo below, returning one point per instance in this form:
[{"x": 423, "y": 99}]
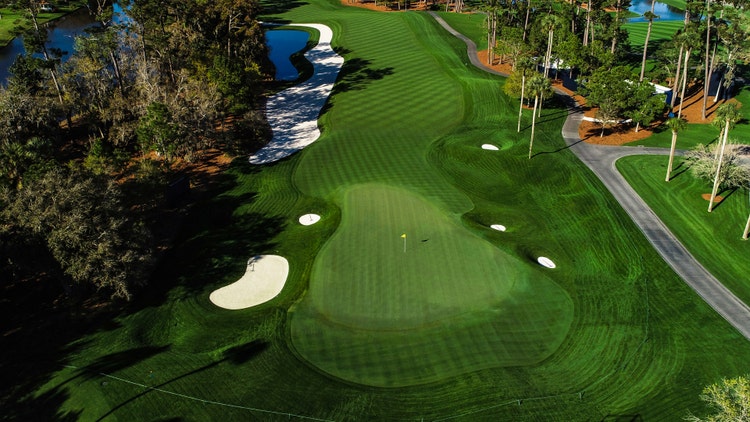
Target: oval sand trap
[
  {"x": 546, "y": 262},
  {"x": 490, "y": 147},
  {"x": 309, "y": 219},
  {"x": 498, "y": 227},
  {"x": 263, "y": 280}
]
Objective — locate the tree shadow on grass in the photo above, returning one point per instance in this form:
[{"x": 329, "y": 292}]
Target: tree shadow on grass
[
  {"x": 236, "y": 355},
  {"x": 278, "y": 7},
  {"x": 681, "y": 168},
  {"x": 115, "y": 362},
  {"x": 356, "y": 73},
  {"x": 730, "y": 191}
]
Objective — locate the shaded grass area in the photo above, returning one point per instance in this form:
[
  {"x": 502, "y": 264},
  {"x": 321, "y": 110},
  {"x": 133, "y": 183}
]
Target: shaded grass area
[
  {"x": 713, "y": 238},
  {"x": 640, "y": 342}
]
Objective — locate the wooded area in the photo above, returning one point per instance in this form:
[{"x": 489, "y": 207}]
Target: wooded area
[{"x": 87, "y": 145}]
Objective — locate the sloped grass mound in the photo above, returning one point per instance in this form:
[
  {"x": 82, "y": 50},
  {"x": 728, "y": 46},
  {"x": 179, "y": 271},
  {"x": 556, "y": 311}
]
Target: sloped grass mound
[{"x": 388, "y": 310}]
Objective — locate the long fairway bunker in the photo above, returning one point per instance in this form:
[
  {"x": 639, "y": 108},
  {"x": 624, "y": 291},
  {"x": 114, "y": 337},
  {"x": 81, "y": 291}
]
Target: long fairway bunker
[{"x": 454, "y": 303}]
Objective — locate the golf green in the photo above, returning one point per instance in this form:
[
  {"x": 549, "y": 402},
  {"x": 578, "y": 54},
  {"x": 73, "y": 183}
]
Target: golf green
[{"x": 403, "y": 294}]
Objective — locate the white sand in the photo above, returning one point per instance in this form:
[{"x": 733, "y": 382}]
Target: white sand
[
  {"x": 309, "y": 219},
  {"x": 498, "y": 227},
  {"x": 293, "y": 113},
  {"x": 263, "y": 280},
  {"x": 546, "y": 262},
  {"x": 490, "y": 147}
]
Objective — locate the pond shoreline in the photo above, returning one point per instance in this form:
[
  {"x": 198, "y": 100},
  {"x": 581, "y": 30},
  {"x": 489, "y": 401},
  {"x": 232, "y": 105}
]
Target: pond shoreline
[{"x": 8, "y": 15}]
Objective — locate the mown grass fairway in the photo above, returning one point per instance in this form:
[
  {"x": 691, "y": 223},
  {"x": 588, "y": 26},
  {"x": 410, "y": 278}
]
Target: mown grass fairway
[
  {"x": 387, "y": 310},
  {"x": 401, "y": 153}
]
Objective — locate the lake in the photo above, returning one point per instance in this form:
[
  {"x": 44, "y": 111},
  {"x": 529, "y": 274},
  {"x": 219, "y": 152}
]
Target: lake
[
  {"x": 664, "y": 11},
  {"x": 61, "y": 34},
  {"x": 282, "y": 43}
]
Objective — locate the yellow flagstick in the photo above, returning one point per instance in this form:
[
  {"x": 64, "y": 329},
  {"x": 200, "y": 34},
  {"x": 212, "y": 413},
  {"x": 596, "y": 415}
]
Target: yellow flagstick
[{"x": 403, "y": 236}]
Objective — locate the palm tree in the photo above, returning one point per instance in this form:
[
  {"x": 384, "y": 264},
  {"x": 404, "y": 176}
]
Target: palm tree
[
  {"x": 549, "y": 22},
  {"x": 650, "y": 16},
  {"x": 675, "y": 124},
  {"x": 706, "y": 67},
  {"x": 726, "y": 116},
  {"x": 538, "y": 86},
  {"x": 747, "y": 229},
  {"x": 524, "y": 65},
  {"x": 492, "y": 7}
]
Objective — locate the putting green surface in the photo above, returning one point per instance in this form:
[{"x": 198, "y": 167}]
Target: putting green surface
[{"x": 388, "y": 310}]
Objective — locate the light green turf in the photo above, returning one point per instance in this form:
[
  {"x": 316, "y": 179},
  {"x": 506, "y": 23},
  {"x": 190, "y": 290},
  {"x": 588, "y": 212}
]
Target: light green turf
[
  {"x": 713, "y": 238},
  {"x": 660, "y": 31},
  {"x": 441, "y": 293}
]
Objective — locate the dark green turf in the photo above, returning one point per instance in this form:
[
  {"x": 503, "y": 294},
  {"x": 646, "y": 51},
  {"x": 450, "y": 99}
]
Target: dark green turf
[{"x": 407, "y": 115}]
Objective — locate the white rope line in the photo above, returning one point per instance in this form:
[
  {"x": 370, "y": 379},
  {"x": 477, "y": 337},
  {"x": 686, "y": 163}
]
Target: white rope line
[{"x": 235, "y": 406}]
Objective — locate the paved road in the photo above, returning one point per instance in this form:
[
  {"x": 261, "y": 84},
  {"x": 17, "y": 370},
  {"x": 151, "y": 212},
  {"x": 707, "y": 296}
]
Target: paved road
[{"x": 601, "y": 160}]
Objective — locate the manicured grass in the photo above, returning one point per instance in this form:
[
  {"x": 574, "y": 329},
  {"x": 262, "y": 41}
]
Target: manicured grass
[
  {"x": 660, "y": 31},
  {"x": 471, "y": 25},
  {"x": 14, "y": 21},
  {"x": 402, "y": 139},
  {"x": 713, "y": 238},
  {"x": 441, "y": 293}
]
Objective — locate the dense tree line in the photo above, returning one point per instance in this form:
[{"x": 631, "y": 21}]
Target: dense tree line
[
  {"x": 175, "y": 78},
  {"x": 588, "y": 40}
]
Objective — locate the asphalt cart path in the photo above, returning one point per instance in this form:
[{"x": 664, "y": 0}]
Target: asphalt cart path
[{"x": 601, "y": 160}]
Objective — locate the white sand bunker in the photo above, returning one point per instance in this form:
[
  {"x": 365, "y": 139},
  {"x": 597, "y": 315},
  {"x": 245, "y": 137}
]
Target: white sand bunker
[
  {"x": 498, "y": 227},
  {"x": 546, "y": 262},
  {"x": 309, "y": 219},
  {"x": 490, "y": 147},
  {"x": 263, "y": 280},
  {"x": 293, "y": 113}
]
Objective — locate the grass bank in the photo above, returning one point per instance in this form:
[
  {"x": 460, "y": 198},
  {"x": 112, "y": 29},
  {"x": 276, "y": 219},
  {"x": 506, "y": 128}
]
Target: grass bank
[{"x": 15, "y": 22}]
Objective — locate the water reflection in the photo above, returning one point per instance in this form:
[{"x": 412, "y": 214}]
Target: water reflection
[
  {"x": 61, "y": 34},
  {"x": 282, "y": 43},
  {"x": 665, "y": 12}
]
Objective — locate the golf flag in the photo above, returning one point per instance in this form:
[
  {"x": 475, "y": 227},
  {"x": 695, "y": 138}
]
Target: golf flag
[{"x": 403, "y": 236}]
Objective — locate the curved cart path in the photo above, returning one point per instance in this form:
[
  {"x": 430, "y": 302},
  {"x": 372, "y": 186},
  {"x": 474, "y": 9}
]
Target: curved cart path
[{"x": 601, "y": 160}]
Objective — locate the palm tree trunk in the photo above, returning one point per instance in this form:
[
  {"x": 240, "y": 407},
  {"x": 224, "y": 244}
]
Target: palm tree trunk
[
  {"x": 718, "y": 89},
  {"x": 747, "y": 229},
  {"x": 684, "y": 82},
  {"x": 718, "y": 167},
  {"x": 676, "y": 82},
  {"x": 526, "y": 21},
  {"x": 707, "y": 70},
  {"x": 645, "y": 44},
  {"x": 533, "y": 123},
  {"x": 520, "y": 107},
  {"x": 548, "y": 56},
  {"x": 588, "y": 24},
  {"x": 671, "y": 155},
  {"x": 541, "y": 104}
]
